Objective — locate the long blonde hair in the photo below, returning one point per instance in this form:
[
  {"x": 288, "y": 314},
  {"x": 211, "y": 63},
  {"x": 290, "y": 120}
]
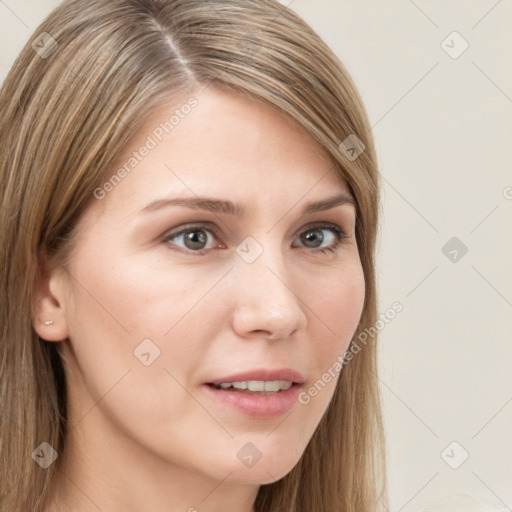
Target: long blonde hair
[{"x": 77, "y": 93}]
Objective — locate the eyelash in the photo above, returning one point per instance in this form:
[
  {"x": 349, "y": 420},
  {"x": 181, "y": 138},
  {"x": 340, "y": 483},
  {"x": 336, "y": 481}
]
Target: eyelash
[{"x": 341, "y": 236}]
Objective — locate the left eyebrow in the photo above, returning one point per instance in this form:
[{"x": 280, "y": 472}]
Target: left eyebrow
[
  {"x": 237, "y": 209},
  {"x": 327, "y": 204}
]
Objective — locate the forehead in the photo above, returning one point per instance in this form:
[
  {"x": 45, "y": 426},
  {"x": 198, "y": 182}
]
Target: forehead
[{"x": 226, "y": 144}]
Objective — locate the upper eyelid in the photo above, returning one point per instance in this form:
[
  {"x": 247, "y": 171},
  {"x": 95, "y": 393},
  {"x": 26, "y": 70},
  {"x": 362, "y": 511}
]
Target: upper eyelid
[{"x": 216, "y": 230}]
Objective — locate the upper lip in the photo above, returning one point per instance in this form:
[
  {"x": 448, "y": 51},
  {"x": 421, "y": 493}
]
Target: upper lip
[{"x": 264, "y": 374}]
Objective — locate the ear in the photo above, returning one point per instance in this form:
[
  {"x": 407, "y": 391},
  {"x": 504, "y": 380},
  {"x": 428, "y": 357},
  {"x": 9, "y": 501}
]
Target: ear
[{"x": 48, "y": 303}]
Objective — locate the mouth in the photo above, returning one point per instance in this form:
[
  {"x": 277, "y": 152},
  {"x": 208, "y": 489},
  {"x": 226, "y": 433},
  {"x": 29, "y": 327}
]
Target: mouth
[
  {"x": 259, "y": 381},
  {"x": 260, "y": 393},
  {"x": 255, "y": 387},
  {"x": 258, "y": 399}
]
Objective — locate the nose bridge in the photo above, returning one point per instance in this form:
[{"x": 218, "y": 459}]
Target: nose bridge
[{"x": 266, "y": 299}]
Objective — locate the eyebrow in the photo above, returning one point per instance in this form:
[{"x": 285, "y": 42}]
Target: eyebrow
[{"x": 237, "y": 209}]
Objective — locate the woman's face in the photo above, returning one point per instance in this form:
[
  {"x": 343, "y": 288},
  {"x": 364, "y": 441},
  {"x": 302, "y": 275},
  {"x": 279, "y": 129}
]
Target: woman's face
[{"x": 159, "y": 301}]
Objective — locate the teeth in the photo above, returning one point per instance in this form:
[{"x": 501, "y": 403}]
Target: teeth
[{"x": 258, "y": 385}]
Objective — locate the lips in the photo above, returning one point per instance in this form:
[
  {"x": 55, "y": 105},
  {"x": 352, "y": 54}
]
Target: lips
[
  {"x": 261, "y": 374},
  {"x": 256, "y": 404}
]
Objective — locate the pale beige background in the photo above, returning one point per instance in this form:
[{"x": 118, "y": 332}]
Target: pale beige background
[{"x": 443, "y": 129}]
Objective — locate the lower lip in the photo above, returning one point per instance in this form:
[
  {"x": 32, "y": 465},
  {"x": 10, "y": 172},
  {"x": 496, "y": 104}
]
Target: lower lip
[{"x": 256, "y": 405}]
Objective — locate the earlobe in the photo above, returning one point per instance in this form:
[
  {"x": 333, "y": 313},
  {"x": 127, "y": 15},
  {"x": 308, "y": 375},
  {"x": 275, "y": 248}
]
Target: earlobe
[{"x": 48, "y": 313}]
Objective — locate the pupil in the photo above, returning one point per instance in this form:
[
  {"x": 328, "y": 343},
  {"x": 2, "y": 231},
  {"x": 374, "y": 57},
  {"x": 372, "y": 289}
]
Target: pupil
[
  {"x": 316, "y": 236},
  {"x": 195, "y": 239}
]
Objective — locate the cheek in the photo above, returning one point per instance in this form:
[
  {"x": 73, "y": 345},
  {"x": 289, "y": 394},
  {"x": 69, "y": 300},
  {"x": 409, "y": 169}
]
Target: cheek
[
  {"x": 118, "y": 322},
  {"x": 340, "y": 303},
  {"x": 121, "y": 313},
  {"x": 335, "y": 314}
]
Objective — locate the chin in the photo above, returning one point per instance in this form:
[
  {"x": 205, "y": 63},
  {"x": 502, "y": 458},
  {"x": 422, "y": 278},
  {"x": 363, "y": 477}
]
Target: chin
[
  {"x": 264, "y": 470},
  {"x": 261, "y": 476}
]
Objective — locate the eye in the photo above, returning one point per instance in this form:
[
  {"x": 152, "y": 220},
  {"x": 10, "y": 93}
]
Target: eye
[
  {"x": 194, "y": 238},
  {"x": 314, "y": 237},
  {"x": 198, "y": 238}
]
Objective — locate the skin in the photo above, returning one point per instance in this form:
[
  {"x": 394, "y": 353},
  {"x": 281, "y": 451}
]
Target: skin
[{"x": 150, "y": 437}]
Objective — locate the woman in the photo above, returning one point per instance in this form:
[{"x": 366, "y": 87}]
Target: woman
[{"x": 189, "y": 211}]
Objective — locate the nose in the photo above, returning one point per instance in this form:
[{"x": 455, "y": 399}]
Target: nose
[{"x": 265, "y": 302}]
